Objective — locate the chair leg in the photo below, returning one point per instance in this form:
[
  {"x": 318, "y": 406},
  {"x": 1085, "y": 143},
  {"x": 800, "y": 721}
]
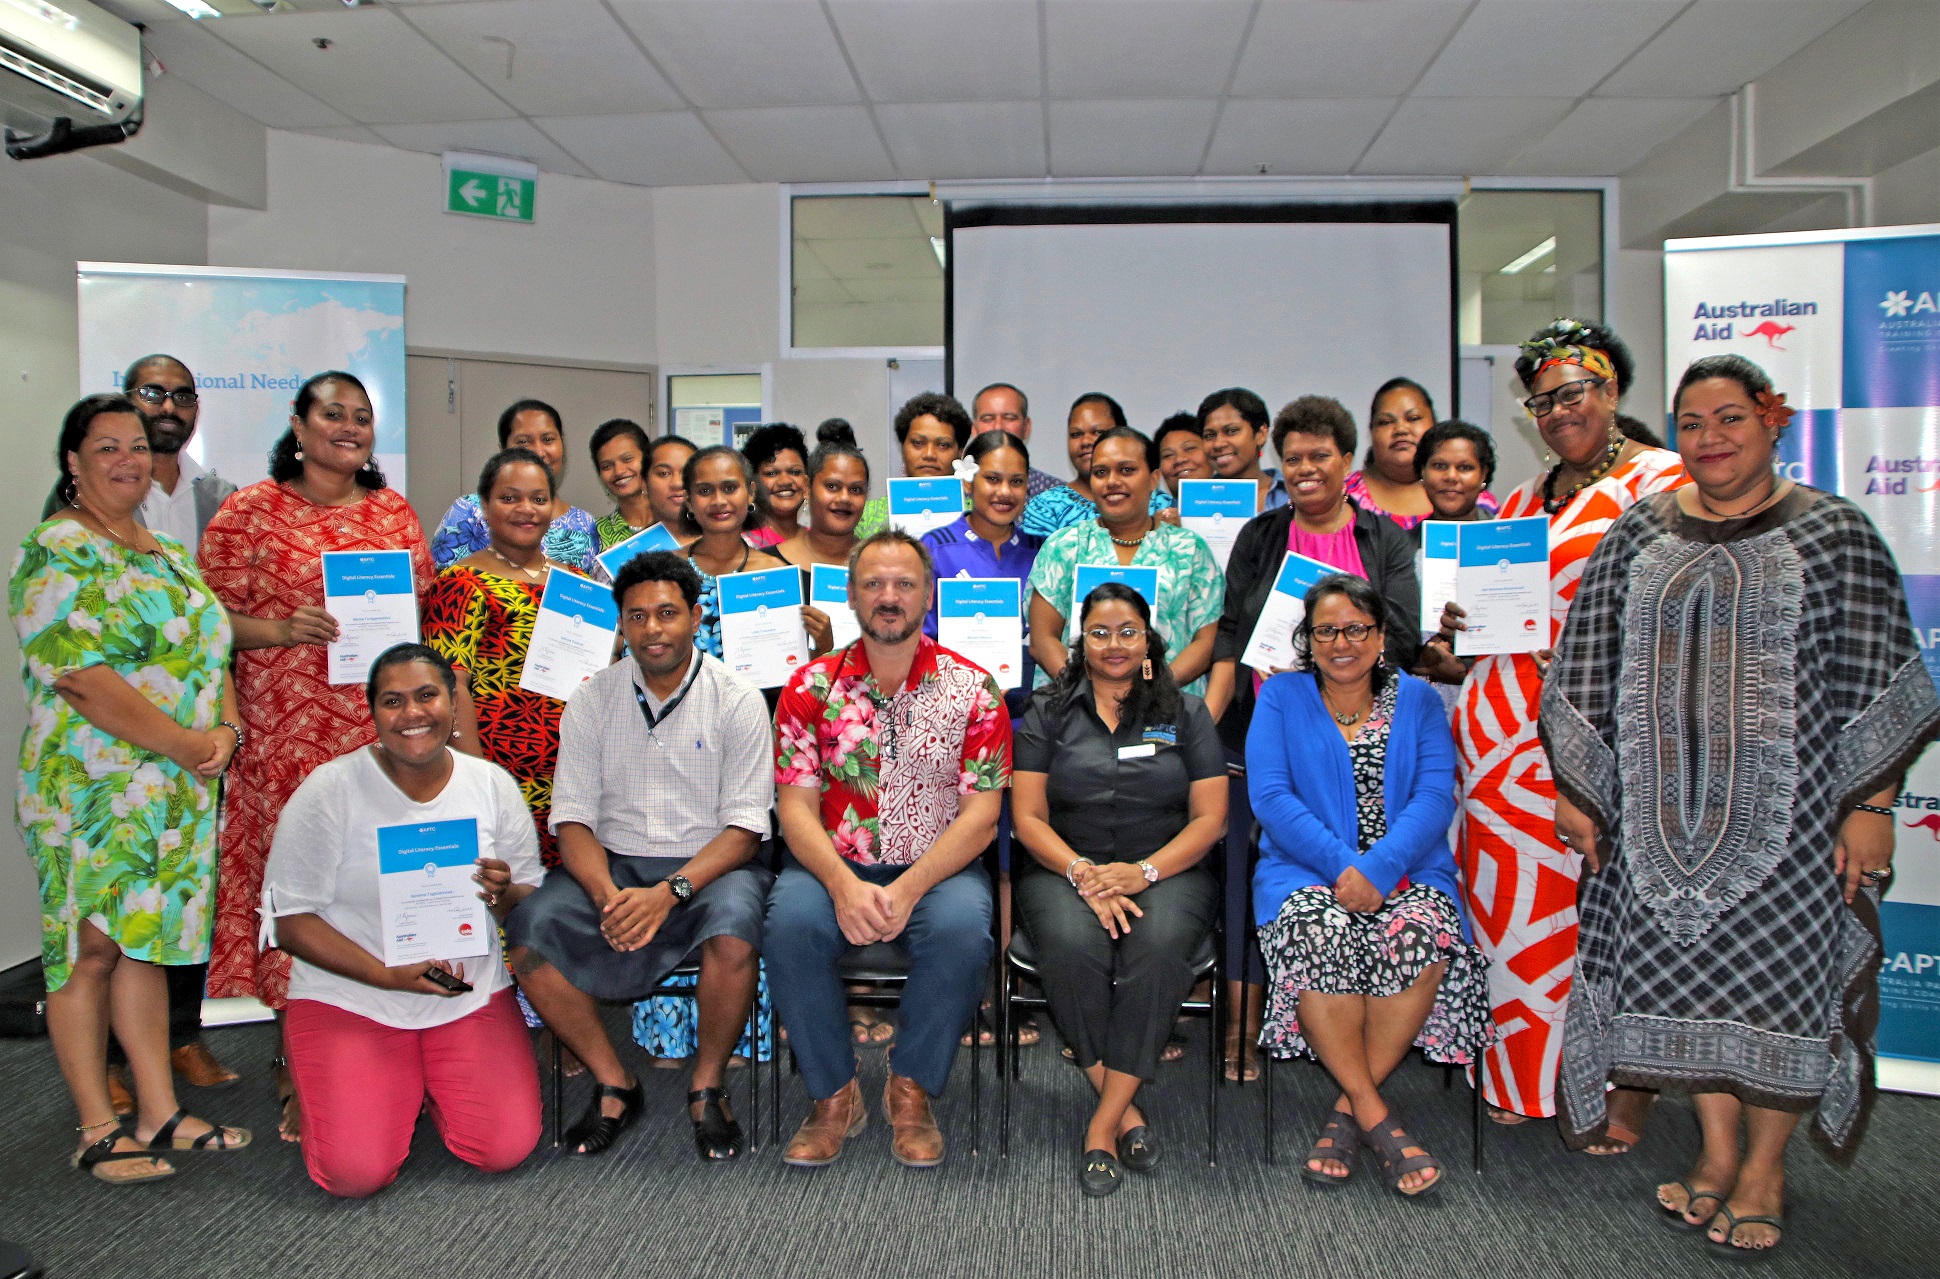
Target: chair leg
[
  {"x": 558, "y": 1093},
  {"x": 1266, "y": 1077},
  {"x": 1215, "y": 1052},
  {"x": 1007, "y": 988},
  {"x": 976, "y": 1080},
  {"x": 754, "y": 1078},
  {"x": 1481, "y": 1117}
]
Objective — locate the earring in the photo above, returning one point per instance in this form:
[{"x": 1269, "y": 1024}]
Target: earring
[
  {"x": 299, "y": 455},
  {"x": 1147, "y": 668}
]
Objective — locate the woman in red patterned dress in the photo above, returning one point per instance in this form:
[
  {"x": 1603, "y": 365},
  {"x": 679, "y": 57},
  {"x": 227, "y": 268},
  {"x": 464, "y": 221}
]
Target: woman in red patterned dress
[{"x": 262, "y": 556}]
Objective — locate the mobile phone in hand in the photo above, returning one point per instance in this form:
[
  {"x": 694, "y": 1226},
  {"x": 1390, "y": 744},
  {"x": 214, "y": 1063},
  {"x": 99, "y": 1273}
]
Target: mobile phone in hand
[{"x": 439, "y": 977}]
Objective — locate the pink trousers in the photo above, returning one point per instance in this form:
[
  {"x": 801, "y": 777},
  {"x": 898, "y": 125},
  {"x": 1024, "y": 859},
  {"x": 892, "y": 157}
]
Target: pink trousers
[{"x": 362, "y": 1085}]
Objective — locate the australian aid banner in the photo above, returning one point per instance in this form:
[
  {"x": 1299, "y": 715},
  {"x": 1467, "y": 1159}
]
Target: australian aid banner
[{"x": 1848, "y": 325}]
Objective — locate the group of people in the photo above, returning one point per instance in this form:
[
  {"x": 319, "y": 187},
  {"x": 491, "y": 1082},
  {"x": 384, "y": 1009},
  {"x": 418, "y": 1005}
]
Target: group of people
[{"x": 1671, "y": 827}]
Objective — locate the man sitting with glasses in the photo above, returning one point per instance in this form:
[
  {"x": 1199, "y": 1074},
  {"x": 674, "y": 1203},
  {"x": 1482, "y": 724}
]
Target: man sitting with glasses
[{"x": 891, "y": 754}]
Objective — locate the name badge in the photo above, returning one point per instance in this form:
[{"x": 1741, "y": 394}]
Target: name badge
[{"x": 1140, "y": 751}]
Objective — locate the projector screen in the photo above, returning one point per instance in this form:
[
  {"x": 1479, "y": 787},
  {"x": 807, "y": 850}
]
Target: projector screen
[{"x": 1158, "y": 306}]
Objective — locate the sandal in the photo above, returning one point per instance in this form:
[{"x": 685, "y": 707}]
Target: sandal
[
  {"x": 1100, "y": 1174},
  {"x": 290, "y": 1124},
  {"x": 1743, "y": 1254},
  {"x": 869, "y": 1030},
  {"x": 1389, "y": 1144},
  {"x": 1175, "y": 1048},
  {"x": 1028, "y": 1031},
  {"x": 596, "y": 1131},
  {"x": 1506, "y": 1118},
  {"x": 1676, "y": 1218},
  {"x": 95, "y": 1158},
  {"x": 1342, "y": 1137},
  {"x": 717, "y": 1136},
  {"x": 1618, "y": 1139},
  {"x": 217, "y": 1138},
  {"x": 986, "y": 1033}
]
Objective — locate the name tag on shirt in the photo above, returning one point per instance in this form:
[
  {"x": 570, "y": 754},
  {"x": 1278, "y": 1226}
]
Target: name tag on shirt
[{"x": 1140, "y": 751}]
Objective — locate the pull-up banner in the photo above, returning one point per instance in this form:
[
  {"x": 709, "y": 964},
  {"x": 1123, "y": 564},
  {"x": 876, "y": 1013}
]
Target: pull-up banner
[
  {"x": 1848, "y": 325},
  {"x": 251, "y": 338}
]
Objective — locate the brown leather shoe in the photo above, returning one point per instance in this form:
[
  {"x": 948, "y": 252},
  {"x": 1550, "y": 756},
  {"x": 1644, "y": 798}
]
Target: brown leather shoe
[
  {"x": 916, "y": 1141},
  {"x": 199, "y": 1067},
  {"x": 833, "y": 1121},
  {"x": 119, "y": 1095}
]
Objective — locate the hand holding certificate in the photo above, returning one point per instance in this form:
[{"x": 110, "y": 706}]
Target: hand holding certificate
[
  {"x": 656, "y": 538},
  {"x": 573, "y": 638},
  {"x": 1216, "y": 510},
  {"x": 1272, "y": 648},
  {"x": 762, "y": 636},
  {"x": 983, "y": 619},
  {"x": 828, "y": 592},
  {"x": 429, "y": 905},
  {"x": 1503, "y": 583},
  {"x": 375, "y": 603},
  {"x": 919, "y": 503}
]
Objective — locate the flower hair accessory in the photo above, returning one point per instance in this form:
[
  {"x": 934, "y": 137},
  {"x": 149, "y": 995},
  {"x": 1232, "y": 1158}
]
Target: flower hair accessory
[
  {"x": 965, "y": 468},
  {"x": 1773, "y": 411}
]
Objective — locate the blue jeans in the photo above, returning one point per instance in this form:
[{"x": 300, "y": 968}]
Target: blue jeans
[{"x": 947, "y": 942}]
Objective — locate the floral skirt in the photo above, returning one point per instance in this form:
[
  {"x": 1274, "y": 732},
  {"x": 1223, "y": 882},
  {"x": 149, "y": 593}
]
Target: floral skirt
[{"x": 1316, "y": 945}]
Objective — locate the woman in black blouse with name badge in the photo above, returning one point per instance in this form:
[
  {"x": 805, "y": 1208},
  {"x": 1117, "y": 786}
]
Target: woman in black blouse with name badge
[{"x": 1118, "y": 790}]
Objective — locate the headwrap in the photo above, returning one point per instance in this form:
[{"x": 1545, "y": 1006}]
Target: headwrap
[{"x": 1561, "y": 343}]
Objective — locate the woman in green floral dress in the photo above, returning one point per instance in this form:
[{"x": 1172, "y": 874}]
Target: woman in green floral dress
[{"x": 130, "y": 720}]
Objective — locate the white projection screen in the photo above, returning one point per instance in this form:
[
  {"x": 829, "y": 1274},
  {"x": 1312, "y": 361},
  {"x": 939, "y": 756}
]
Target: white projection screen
[{"x": 1159, "y": 305}]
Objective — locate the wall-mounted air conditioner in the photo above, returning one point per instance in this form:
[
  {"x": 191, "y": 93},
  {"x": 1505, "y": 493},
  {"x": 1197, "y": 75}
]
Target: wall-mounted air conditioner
[{"x": 67, "y": 60}]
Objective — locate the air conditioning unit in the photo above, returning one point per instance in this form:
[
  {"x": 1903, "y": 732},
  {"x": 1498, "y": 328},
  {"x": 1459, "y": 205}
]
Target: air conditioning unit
[{"x": 67, "y": 61}]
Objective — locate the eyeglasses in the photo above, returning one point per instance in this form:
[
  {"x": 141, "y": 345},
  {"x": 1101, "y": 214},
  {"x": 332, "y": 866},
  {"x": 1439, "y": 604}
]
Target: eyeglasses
[
  {"x": 1126, "y": 635},
  {"x": 1569, "y": 395},
  {"x": 184, "y": 397},
  {"x": 1355, "y": 631}
]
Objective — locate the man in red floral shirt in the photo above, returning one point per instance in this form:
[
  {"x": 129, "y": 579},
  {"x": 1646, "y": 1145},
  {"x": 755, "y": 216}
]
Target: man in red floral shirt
[{"x": 891, "y": 755}]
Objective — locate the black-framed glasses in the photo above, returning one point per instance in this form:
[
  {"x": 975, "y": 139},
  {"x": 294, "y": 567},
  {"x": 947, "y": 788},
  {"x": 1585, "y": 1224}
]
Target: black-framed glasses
[
  {"x": 1356, "y": 631},
  {"x": 1127, "y": 635},
  {"x": 156, "y": 396},
  {"x": 1569, "y": 395}
]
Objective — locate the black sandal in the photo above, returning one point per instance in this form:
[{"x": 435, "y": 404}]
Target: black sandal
[
  {"x": 717, "y": 1136},
  {"x": 1676, "y": 1219},
  {"x": 1388, "y": 1140},
  {"x": 596, "y": 1131},
  {"x": 1343, "y": 1137},
  {"x": 104, "y": 1152},
  {"x": 217, "y": 1138},
  {"x": 1743, "y": 1254}
]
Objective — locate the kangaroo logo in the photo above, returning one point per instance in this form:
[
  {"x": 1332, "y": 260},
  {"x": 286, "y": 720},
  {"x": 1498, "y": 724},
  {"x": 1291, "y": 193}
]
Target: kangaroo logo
[
  {"x": 1931, "y": 822},
  {"x": 1771, "y": 332}
]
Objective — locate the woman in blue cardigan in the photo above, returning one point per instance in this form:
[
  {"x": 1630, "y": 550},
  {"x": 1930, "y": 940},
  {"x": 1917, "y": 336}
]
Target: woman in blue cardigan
[{"x": 1351, "y": 770}]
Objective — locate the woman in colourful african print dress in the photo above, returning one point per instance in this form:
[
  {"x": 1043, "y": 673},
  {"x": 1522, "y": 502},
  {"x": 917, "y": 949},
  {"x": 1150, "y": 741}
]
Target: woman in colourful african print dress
[
  {"x": 261, "y": 555},
  {"x": 1521, "y": 882}
]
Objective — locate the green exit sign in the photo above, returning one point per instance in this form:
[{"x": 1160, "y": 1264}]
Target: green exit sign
[{"x": 489, "y": 195}]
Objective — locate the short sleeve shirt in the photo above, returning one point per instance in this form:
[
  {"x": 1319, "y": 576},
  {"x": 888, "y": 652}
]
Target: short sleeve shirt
[
  {"x": 1123, "y": 795},
  {"x": 891, "y": 770}
]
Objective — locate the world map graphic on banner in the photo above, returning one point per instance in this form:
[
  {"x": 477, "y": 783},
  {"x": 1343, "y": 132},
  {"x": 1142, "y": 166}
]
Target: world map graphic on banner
[{"x": 251, "y": 338}]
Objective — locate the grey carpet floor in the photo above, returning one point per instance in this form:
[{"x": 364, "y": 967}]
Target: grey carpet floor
[{"x": 649, "y": 1208}]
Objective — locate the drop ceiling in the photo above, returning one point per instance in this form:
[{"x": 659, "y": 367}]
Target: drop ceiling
[{"x": 690, "y": 92}]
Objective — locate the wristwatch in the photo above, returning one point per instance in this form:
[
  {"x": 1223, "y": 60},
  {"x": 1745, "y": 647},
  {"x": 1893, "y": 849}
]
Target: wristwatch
[
  {"x": 1150, "y": 872},
  {"x": 681, "y": 887}
]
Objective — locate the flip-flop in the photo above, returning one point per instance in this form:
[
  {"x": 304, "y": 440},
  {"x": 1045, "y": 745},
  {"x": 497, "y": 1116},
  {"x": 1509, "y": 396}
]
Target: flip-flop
[
  {"x": 1743, "y": 1256},
  {"x": 1506, "y": 1118},
  {"x": 1675, "y": 1218}
]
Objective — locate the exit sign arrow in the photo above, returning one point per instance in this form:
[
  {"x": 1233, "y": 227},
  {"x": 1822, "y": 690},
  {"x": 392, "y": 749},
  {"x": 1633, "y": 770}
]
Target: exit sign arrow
[
  {"x": 483, "y": 186},
  {"x": 471, "y": 193}
]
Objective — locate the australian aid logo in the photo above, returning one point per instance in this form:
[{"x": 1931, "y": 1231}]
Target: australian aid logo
[{"x": 1772, "y": 321}]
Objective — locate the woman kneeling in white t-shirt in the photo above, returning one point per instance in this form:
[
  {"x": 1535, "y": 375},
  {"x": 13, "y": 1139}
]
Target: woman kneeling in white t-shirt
[{"x": 369, "y": 1041}]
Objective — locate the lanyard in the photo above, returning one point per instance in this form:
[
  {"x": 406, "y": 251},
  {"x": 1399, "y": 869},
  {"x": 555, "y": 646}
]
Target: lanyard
[{"x": 671, "y": 705}]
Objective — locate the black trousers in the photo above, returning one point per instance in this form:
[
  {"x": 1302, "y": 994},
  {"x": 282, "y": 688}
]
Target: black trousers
[
  {"x": 185, "y": 986},
  {"x": 1115, "y": 1001}
]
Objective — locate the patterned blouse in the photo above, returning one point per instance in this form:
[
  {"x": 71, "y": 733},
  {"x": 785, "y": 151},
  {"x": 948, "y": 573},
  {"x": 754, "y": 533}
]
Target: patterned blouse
[
  {"x": 573, "y": 539},
  {"x": 1356, "y": 488},
  {"x": 1063, "y": 506},
  {"x": 944, "y": 734},
  {"x": 1368, "y": 754}
]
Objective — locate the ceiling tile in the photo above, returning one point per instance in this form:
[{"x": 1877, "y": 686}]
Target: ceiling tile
[
  {"x": 804, "y": 144},
  {"x": 566, "y": 57},
  {"x": 1460, "y": 135},
  {"x": 1305, "y": 137},
  {"x": 378, "y": 70},
  {"x": 1331, "y": 49},
  {"x": 1542, "y": 48},
  {"x": 347, "y": 133},
  {"x": 743, "y": 53},
  {"x": 991, "y": 44},
  {"x": 1129, "y": 139},
  {"x": 965, "y": 139},
  {"x": 1603, "y": 137},
  {"x": 514, "y": 138},
  {"x": 1718, "y": 46},
  {"x": 664, "y": 149},
  {"x": 189, "y": 50},
  {"x": 1142, "y": 49}
]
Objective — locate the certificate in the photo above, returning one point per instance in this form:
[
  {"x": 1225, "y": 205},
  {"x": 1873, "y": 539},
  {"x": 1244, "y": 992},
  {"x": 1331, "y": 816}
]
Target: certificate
[
  {"x": 572, "y": 640},
  {"x": 919, "y": 503},
  {"x": 375, "y": 602},
  {"x": 761, "y": 625},
  {"x": 656, "y": 538},
  {"x": 983, "y": 619},
  {"x": 1143, "y": 578},
  {"x": 1216, "y": 510},
  {"x": 426, "y": 898},
  {"x": 1271, "y": 648},
  {"x": 828, "y": 590},
  {"x": 1438, "y": 566},
  {"x": 1502, "y": 583}
]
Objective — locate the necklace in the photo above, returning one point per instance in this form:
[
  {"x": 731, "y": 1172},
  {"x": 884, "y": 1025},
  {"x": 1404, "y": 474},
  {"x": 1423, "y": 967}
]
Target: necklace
[
  {"x": 1756, "y": 507},
  {"x": 1119, "y": 541},
  {"x": 98, "y": 519},
  {"x": 534, "y": 573},
  {"x": 1551, "y": 505},
  {"x": 1346, "y": 719}
]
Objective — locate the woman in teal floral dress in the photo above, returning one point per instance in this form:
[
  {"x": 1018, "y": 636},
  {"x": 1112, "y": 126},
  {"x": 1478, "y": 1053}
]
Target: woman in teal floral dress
[{"x": 130, "y": 720}]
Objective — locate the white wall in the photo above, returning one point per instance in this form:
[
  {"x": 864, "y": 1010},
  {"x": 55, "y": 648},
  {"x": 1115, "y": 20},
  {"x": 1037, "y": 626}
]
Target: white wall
[{"x": 54, "y": 213}]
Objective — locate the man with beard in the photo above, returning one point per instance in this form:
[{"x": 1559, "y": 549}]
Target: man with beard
[
  {"x": 659, "y": 800},
  {"x": 891, "y": 755}
]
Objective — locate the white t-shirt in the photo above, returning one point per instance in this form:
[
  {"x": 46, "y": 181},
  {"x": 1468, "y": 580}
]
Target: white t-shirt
[{"x": 323, "y": 861}]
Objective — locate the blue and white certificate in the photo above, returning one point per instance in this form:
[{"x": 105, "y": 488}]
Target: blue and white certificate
[
  {"x": 982, "y": 618},
  {"x": 656, "y": 538},
  {"x": 828, "y": 590},
  {"x": 375, "y": 603},
  {"x": 1437, "y": 570},
  {"x": 1216, "y": 510},
  {"x": 1503, "y": 585},
  {"x": 1271, "y": 648},
  {"x": 919, "y": 503},
  {"x": 1143, "y": 578},
  {"x": 427, "y": 902},
  {"x": 762, "y": 638},
  {"x": 572, "y": 640}
]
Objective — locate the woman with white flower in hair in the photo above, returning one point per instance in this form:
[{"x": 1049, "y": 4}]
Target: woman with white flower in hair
[{"x": 130, "y": 720}]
